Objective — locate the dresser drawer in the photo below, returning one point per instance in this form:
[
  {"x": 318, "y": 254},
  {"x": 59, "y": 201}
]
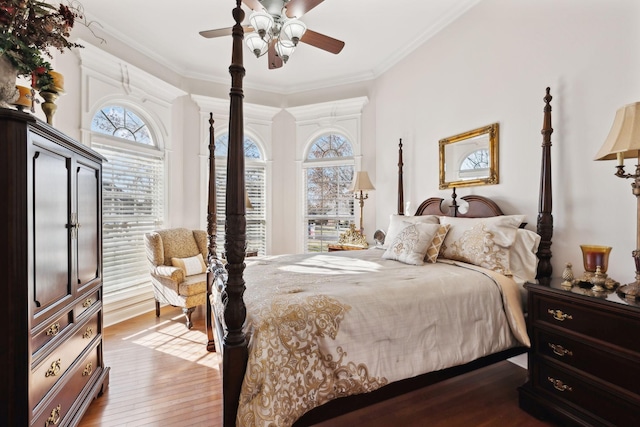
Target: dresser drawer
[
  {"x": 562, "y": 385},
  {"x": 51, "y": 332},
  {"x": 85, "y": 303},
  {"x": 53, "y": 368},
  {"x": 609, "y": 367},
  {"x": 601, "y": 325},
  {"x": 54, "y": 411}
]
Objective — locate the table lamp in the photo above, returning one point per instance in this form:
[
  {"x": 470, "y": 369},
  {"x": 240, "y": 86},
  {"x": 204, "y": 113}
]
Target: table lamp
[
  {"x": 623, "y": 142},
  {"x": 360, "y": 185}
]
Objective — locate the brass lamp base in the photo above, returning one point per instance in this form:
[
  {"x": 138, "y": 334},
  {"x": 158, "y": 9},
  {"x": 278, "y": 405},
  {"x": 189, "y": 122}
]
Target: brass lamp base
[{"x": 631, "y": 290}]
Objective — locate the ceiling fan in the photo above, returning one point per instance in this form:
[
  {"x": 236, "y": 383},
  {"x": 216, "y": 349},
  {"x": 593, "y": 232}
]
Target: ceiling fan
[{"x": 274, "y": 28}]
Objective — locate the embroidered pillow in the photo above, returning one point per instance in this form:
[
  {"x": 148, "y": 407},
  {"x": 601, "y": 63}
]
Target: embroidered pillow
[
  {"x": 411, "y": 244},
  {"x": 398, "y": 222},
  {"x": 484, "y": 242},
  {"x": 434, "y": 248},
  {"x": 192, "y": 265}
]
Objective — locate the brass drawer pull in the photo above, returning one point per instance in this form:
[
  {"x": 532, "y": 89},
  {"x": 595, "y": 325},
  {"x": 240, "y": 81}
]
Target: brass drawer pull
[
  {"x": 559, "y": 385},
  {"x": 54, "y": 418},
  {"x": 54, "y": 369},
  {"x": 87, "y": 369},
  {"x": 53, "y": 330},
  {"x": 560, "y": 350},
  {"x": 559, "y": 315},
  {"x": 87, "y": 303},
  {"x": 88, "y": 333}
]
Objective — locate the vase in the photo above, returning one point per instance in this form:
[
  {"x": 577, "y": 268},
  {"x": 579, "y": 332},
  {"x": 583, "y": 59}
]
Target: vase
[{"x": 8, "y": 91}]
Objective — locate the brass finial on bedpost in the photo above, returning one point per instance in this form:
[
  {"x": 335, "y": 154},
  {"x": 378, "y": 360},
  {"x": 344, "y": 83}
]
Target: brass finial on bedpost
[{"x": 545, "y": 218}]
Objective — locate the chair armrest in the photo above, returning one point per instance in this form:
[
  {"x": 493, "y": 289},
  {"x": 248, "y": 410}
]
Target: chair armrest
[{"x": 174, "y": 274}]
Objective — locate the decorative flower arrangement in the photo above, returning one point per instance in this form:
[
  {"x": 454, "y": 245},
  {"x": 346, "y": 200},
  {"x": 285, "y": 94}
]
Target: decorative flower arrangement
[{"x": 28, "y": 28}]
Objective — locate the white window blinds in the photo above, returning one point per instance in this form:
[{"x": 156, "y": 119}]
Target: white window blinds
[{"x": 132, "y": 204}]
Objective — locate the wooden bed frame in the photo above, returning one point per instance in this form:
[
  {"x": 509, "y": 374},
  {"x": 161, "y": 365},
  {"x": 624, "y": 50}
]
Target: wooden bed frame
[{"x": 232, "y": 340}]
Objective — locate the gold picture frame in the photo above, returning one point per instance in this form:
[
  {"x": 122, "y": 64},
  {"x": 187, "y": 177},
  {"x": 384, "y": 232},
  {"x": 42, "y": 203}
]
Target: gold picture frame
[{"x": 470, "y": 158}]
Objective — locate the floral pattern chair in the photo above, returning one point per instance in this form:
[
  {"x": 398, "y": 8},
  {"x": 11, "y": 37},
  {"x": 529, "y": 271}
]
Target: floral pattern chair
[{"x": 178, "y": 270}]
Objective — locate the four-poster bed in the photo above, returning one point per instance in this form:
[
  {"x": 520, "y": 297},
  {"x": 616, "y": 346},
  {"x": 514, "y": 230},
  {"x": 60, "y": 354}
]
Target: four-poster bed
[{"x": 264, "y": 399}]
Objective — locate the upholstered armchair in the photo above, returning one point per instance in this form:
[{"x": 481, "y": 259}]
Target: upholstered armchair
[{"x": 178, "y": 270}]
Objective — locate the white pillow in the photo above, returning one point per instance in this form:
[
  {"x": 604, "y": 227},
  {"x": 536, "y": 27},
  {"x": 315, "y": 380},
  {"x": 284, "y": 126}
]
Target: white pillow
[
  {"x": 192, "y": 265},
  {"x": 522, "y": 256},
  {"x": 399, "y": 222},
  {"x": 484, "y": 242},
  {"x": 411, "y": 244}
]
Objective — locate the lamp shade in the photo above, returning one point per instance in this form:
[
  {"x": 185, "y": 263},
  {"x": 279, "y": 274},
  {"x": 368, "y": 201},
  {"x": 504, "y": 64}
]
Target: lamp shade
[
  {"x": 256, "y": 44},
  {"x": 293, "y": 30},
  {"x": 285, "y": 48},
  {"x": 623, "y": 140},
  {"x": 361, "y": 182},
  {"x": 261, "y": 22}
]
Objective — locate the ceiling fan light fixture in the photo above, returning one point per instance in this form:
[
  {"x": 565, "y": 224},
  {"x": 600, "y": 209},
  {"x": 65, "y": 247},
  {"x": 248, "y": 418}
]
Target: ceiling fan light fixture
[
  {"x": 262, "y": 22},
  {"x": 256, "y": 44},
  {"x": 293, "y": 30},
  {"x": 284, "y": 49}
]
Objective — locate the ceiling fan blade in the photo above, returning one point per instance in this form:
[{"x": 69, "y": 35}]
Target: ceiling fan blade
[
  {"x": 209, "y": 34},
  {"x": 297, "y": 8},
  {"x": 274, "y": 60},
  {"x": 253, "y": 4},
  {"x": 322, "y": 42}
]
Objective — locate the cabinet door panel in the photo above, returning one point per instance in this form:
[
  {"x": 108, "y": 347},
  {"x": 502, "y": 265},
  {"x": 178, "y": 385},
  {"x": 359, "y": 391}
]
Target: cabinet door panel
[
  {"x": 88, "y": 230},
  {"x": 50, "y": 247}
]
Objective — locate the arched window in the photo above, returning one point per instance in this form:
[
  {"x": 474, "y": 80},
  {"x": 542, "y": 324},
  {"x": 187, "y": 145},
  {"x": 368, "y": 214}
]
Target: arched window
[
  {"x": 328, "y": 172},
  {"x": 255, "y": 183},
  {"x": 475, "y": 164},
  {"x": 132, "y": 194}
]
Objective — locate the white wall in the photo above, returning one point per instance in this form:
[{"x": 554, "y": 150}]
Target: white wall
[{"x": 493, "y": 65}]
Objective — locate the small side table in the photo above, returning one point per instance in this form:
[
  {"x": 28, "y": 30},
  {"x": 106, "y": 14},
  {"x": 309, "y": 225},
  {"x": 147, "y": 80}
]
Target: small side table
[{"x": 251, "y": 252}]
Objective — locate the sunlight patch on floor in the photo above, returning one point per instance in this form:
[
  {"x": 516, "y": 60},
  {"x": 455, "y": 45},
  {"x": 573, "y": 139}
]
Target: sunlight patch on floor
[{"x": 173, "y": 338}]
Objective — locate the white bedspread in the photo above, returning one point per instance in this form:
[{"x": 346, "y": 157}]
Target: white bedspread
[{"x": 330, "y": 325}]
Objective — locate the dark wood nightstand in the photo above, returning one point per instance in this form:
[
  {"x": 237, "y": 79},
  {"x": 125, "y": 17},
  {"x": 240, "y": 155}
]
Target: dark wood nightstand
[
  {"x": 337, "y": 247},
  {"x": 584, "y": 362}
]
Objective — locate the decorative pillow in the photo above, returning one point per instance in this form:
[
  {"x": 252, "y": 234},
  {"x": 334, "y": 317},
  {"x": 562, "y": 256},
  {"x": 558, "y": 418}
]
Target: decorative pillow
[
  {"x": 411, "y": 244},
  {"x": 484, "y": 242},
  {"x": 398, "y": 222},
  {"x": 434, "y": 248},
  {"x": 192, "y": 265},
  {"x": 522, "y": 256}
]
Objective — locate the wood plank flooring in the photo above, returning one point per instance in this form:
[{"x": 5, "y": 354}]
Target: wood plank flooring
[{"x": 162, "y": 375}]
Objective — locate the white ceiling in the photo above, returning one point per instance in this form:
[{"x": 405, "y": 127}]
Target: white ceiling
[{"x": 377, "y": 34}]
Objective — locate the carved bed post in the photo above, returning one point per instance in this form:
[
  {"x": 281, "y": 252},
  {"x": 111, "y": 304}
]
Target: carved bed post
[
  {"x": 400, "y": 182},
  {"x": 212, "y": 233},
  {"x": 545, "y": 218},
  {"x": 234, "y": 343}
]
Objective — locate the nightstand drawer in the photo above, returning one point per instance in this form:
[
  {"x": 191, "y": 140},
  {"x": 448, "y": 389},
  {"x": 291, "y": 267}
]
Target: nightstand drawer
[
  {"x": 592, "y": 360},
  {"x": 596, "y": 324},
  {"x": 597, "y": 400}
]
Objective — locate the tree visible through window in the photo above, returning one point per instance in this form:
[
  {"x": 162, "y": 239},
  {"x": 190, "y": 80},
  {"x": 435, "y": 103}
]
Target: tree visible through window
[
  {"x": 132, "y": 195},
  {"x": 328, "y": 204}
]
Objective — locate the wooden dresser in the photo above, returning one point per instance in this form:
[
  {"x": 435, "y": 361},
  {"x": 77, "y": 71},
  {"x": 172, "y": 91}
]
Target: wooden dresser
[
  {"x": 51, "y": 228},
  {"x": 584, "y": 363}
]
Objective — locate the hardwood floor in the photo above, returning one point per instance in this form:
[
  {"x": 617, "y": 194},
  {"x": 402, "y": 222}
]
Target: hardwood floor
[{"x": 162, "y": 375}]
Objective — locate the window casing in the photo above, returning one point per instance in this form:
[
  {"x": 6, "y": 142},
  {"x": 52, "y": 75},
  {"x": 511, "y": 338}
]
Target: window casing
[
  {"x": 132, "y": 197},
  {"x": 255, "y": 183},
  {"x": 328, "y": 173}
]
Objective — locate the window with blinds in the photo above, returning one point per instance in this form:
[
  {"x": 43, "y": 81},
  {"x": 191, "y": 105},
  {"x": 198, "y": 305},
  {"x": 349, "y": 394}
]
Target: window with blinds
[
  {"x": 255, "y": 184},
  {"x": 132, "y": 196},
  {"x": 328, "y": 173}
]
